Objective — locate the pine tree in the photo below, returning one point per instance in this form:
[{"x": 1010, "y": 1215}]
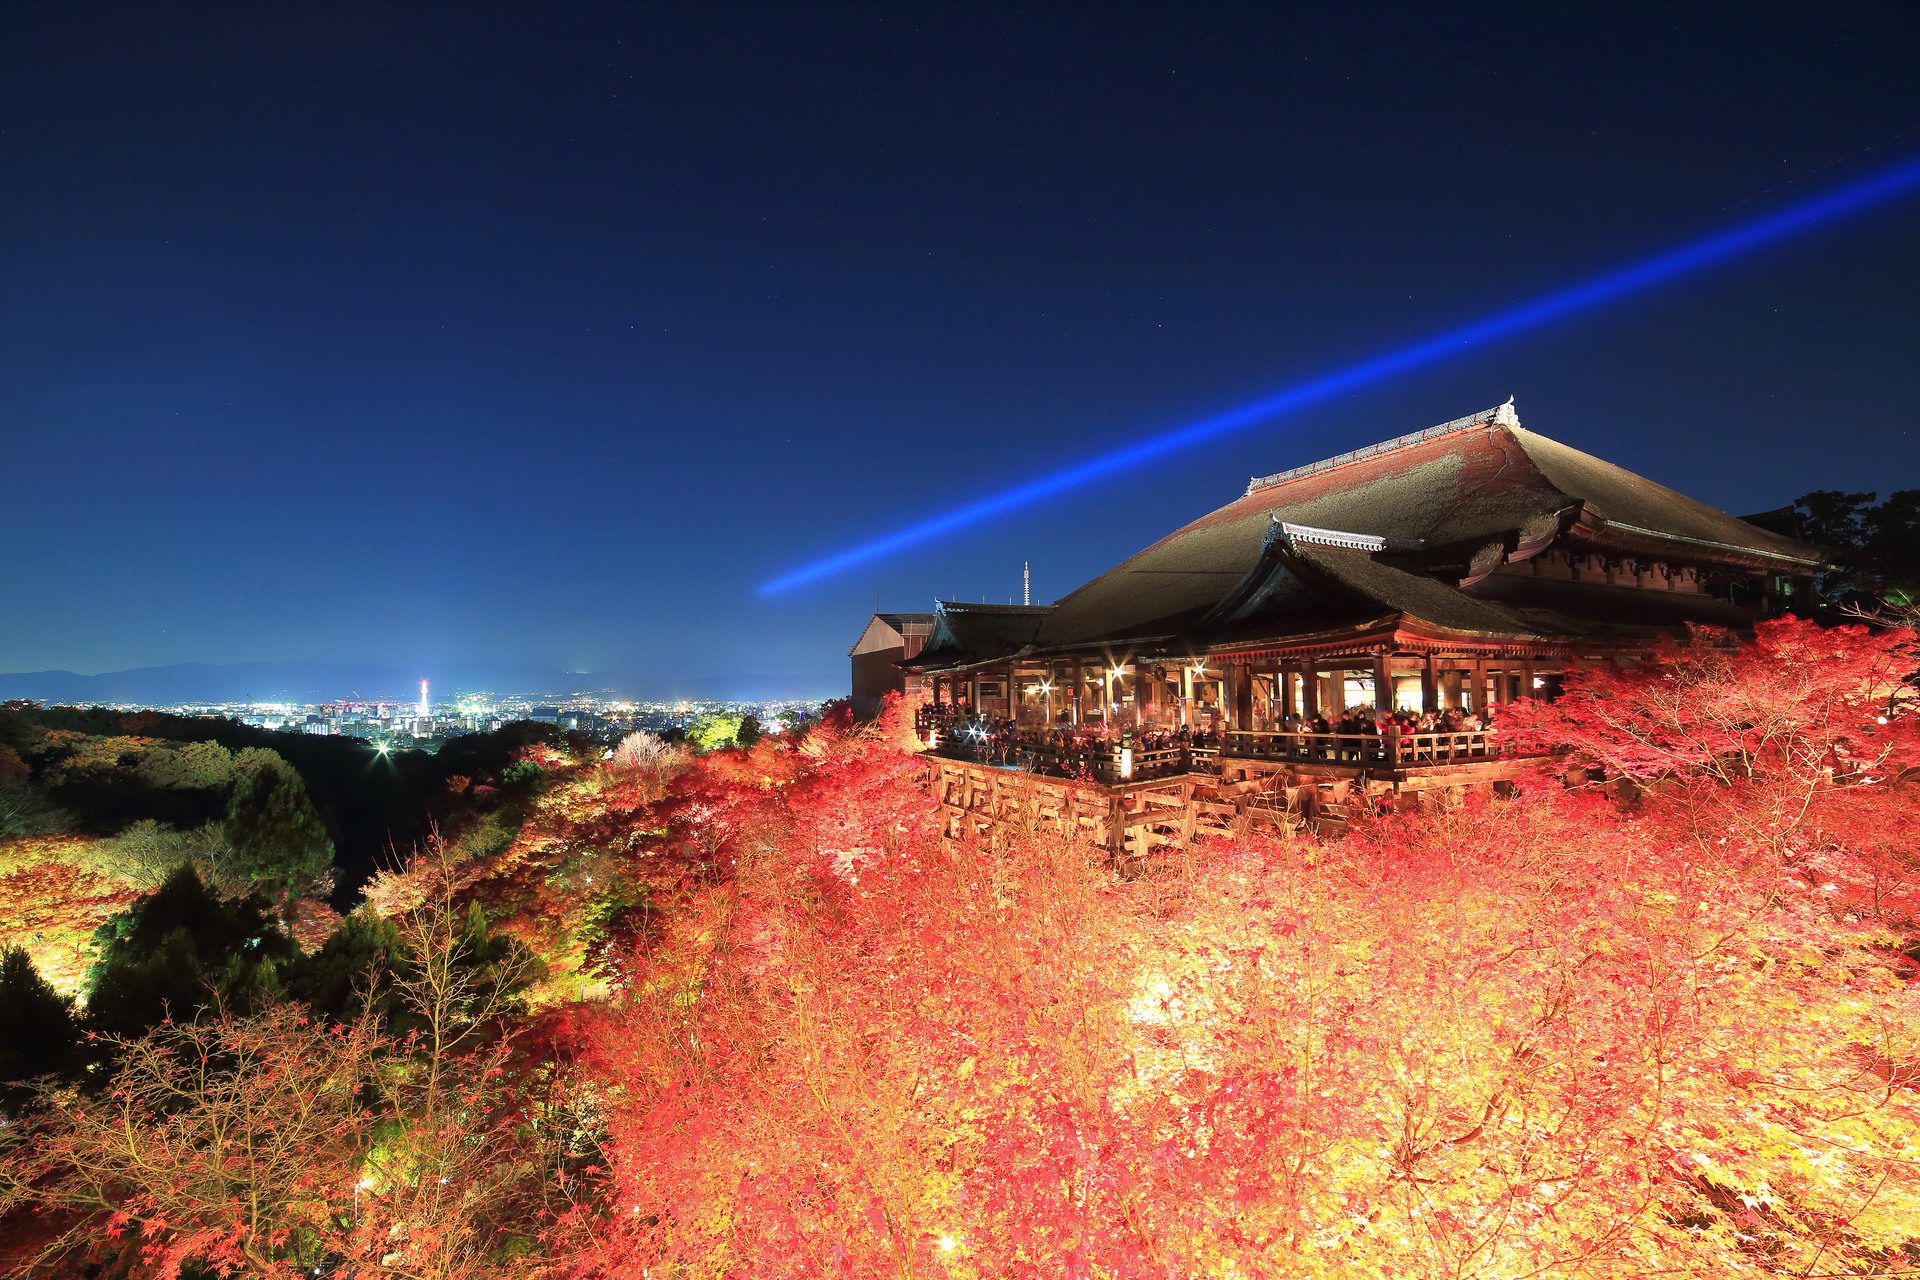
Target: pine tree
[
  {"x": 277, "y": 838},
  {"x": 38, "y": 1035}
]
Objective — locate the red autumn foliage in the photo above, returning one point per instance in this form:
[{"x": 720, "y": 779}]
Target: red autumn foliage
[
  {"x": 1661, "y": 1026},
  {"x": 1552, "y": 1035}
]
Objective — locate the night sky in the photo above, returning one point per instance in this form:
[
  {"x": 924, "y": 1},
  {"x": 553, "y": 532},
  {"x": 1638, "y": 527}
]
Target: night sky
[{"x": 425, "y": 335}]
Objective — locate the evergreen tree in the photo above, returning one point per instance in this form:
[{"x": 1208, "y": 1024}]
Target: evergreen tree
[
  {"x": 275, "y": 835},
  {"x": 176, "y": 950},
  {"x": 1873, "y": 547},
  {"x": 356, "y": 963},
  {"x": 38, "y": 1034},
  {"x": 368, "y": 960}
]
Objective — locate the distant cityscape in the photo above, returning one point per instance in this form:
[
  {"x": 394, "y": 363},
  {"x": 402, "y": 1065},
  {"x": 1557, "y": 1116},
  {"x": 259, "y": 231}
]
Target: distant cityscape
[{"x": 426, "y": 722}]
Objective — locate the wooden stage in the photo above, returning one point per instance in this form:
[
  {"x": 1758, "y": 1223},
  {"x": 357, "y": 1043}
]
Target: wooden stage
[{"x": 1137, "y": 818}]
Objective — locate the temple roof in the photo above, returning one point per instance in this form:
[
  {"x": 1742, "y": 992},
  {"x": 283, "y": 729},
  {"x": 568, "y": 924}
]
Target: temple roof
[
  {"x": 1477, "y": 487},
  {"x": 968, "y": 633}
]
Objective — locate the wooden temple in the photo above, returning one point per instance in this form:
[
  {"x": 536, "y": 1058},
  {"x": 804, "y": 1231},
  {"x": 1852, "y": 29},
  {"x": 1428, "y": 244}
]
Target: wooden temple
[{"x": 1451, "y": 569}]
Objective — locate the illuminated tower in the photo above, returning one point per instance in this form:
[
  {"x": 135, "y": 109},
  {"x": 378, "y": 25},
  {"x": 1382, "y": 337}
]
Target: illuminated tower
[{"x": 423, "y": 700}]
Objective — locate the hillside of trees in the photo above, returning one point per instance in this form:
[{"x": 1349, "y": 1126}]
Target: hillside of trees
[{"x": 743, "y": 1012}]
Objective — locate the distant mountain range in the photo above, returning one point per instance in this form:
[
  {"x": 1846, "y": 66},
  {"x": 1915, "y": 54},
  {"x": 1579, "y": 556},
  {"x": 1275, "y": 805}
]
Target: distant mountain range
[{"x": 287, "y": 682}]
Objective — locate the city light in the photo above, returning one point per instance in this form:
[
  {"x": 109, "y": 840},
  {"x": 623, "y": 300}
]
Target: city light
[{"x": 1693, "y": 256}]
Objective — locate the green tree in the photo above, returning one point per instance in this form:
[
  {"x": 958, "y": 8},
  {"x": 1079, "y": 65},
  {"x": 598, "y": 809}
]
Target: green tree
[
  {"x": 150, "y": 851},
  {"x": 178, "y": 949},
  {"x": 713, "y": 731},
  {"x": 38, "y": 1033},
  {"x": 189, "y": 766},
  {"x": 353, "y": 967},
  {"x": 749, "y": 731},
  {"x": 1874, "y": 547},
  {"x": 275, "y": 837},
  {"x": 367, "y": 964},
  {"x": 26, "y": 811}
]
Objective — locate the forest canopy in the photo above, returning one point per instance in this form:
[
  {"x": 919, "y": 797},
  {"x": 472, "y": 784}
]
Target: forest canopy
[{"x": 746, "y": 1012}]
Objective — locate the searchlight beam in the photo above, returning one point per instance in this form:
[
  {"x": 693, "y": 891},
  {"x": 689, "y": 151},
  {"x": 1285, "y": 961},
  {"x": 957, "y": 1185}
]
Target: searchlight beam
[{"x": 1686, "y": 259}]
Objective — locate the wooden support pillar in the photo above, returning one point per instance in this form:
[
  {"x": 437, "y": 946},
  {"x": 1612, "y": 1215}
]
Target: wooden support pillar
[
  {"x": 1480, "y": 687},
  {"x": 1383, "y": 682},
  {"x": 1186, "y": 695},
  {"x": 1526, "y": 679},
  {"x": 1013, "y": 693},
  {"x": 1242, "y": 676},
  {"x": 1309, "y": 693},
  {"x": 1079, "y": 682},
  {"x": 1430, "y": 684}
]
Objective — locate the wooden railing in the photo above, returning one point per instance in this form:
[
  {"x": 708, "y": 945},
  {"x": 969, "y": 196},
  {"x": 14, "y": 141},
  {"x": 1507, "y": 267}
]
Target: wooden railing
[
  {"x": 1103, "y": 761},
  {"x": 1391, "y": 750},
  {"x": 1109, "y": 762}
]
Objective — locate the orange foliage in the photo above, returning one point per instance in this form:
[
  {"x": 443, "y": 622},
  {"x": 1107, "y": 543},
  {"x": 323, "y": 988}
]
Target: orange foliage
[{"x": 54, "y": 893}]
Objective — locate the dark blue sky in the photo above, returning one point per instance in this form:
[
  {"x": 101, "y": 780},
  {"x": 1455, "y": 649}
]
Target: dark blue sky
[{"x": 428, "y": 335}]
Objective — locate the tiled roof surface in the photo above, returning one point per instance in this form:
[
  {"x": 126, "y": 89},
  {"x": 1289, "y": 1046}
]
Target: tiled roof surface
[
  {"x": 964, "y": 633},
  {"x": 1486, "y": 483}
]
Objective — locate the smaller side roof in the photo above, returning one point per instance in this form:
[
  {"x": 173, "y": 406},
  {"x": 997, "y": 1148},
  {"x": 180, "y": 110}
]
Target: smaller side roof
[
  {"x": 968, "y": 634},
  {"x": 884, "y": 630}
]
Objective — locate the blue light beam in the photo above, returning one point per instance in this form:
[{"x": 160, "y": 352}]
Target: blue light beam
[{"x": 1694, "y": 256}]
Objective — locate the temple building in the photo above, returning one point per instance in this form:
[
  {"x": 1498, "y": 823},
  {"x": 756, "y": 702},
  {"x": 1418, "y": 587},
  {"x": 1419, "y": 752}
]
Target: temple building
[
  {"x": 887, "y": 640},
  {"x": 1454, "y": 568}
]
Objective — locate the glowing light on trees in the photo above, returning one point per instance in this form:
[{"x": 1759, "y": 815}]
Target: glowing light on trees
[{"x": 1696, "y": 255}]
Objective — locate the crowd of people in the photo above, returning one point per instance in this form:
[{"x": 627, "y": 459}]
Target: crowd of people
[
  {"x": 1358, "y": 733},
  {"x": 1362, "y": 733}
]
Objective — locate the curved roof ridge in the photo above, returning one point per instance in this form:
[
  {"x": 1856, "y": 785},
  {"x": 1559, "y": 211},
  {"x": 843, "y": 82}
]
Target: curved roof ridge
[
  {"x": 1307, "y": 533},
  {"x": 1501, "y": 415}
]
